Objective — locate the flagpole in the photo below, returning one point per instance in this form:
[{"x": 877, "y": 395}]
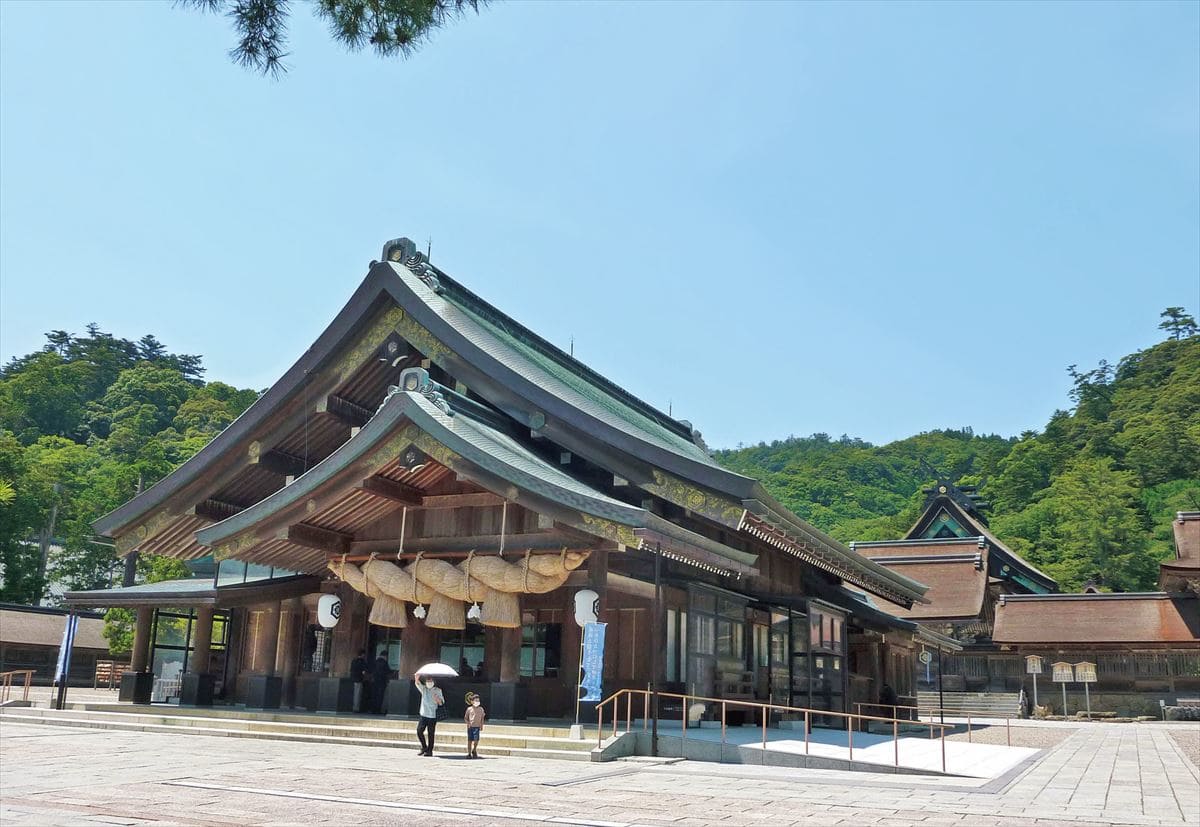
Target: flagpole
[{"x": 579, "y": 675}]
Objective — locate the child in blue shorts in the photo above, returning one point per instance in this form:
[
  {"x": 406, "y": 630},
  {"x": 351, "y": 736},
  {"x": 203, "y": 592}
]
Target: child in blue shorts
[{"x": 474, "y": 720}]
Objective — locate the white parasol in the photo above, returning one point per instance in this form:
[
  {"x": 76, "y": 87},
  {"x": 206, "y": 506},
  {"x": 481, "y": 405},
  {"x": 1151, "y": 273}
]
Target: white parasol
[{"x": 436, "y": 670}]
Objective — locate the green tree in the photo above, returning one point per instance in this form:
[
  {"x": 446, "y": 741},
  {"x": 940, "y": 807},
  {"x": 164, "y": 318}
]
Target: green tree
[
  {"x": 1087, "y": 525},
  {"x": 141, "y": 402},
  {"x": 390, "y": 27},
  {"x": 1177, "y": 323},
  {"x": 19, "y": 582}
]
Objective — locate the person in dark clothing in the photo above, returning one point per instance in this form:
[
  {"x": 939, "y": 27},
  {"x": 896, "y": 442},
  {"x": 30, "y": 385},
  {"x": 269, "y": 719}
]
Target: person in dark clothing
[
  {"x": 380, "y": 673},
  {"x": 358, "y": 674},
  {"x": 887, "y": 698},
  {"x": 431, "y": 699}
]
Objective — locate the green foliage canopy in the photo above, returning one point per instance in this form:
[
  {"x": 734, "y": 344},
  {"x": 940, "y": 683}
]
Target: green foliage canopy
[
  {"x": 1090, "y": 497},
  {"x": 84, "y": 424}
]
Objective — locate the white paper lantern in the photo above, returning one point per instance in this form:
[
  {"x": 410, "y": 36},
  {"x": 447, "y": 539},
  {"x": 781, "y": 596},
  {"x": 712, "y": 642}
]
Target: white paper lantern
[
  {"x": 329, "y": 609},
  {"x": 587, "y": 606}
]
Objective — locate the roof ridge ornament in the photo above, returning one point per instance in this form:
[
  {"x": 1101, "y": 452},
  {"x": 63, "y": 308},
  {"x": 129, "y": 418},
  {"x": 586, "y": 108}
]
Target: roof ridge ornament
[
  {"x": 418, "y": 380},
  {"x": 404, "y": 251}
]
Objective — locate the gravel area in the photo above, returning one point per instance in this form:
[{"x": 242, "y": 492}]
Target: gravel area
[
  {"x": 1022, "y": 736},
  {"x": 1189, "y": 742}
]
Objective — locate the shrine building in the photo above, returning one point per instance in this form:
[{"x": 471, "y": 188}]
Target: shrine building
[{"x": 458, "y": 481}]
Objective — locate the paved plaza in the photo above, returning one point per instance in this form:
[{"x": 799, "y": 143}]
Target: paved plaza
[{"x": 1099, "y": 774}]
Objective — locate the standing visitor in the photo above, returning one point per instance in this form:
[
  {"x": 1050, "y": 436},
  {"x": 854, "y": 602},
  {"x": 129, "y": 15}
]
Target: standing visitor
[
  {"x": 380, "y": 673},
  {"x": 474, "y": 721},
  {"x": 431, "y": 699},
  {"x": 358, "y": 674},
  {"x": 887, "y": 698}
]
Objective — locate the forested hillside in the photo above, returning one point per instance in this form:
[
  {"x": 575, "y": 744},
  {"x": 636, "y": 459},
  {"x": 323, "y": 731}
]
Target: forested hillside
[
  {"x": 88, "y": 420},
  {"x": 1089, "y": 497},
  {"x": 84, "y": 423}
]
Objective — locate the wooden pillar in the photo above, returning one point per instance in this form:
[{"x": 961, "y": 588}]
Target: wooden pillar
[
  {"x": 597, "y": 568},
  {"x": 572, "y": 639},
  {"x": 418, "y": 645},
  {"x": 287, "y": 650},
  {"x": 598, "y": 582},
  {"x": 510, "y": 655},
  {"x": 201, "y": 656},
  {"x": 264, "y": 638},
  {"x": 350, "y": 634},
  {"x": 140, "y": 658}
]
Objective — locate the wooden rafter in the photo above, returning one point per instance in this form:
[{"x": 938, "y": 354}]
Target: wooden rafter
[
  {"x": 322, "y": 539},
  {"x": 387, "y": 489},
  {"x": 285, "y": 465}
]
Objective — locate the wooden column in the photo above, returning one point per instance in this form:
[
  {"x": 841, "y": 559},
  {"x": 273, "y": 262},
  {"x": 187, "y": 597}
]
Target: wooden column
[
  {"x": 201, "y": 656},
  {"x": 418, "y": 645},
  {"x": 350, "y": 634},
  {"x": 510, "y": 655},
  {"x": 597, "y": 565},
  {"x": 263, "y": 629},
  {"x": 597, "y": 569},
  {"x": 140, "y": 658},
  {"x": 287, "y": 650},
  {"x": 572, "y": 639}
]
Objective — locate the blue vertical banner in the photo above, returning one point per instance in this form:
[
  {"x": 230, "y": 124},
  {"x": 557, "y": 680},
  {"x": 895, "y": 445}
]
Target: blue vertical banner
[
  {"x": 591, "y": 661},
  {"x": 64, "y": 650}
]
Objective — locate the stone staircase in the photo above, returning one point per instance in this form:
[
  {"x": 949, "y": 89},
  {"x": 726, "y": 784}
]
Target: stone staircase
[
  {"x": 959, "y": 704},
  {"x": 517, "y": 740}
]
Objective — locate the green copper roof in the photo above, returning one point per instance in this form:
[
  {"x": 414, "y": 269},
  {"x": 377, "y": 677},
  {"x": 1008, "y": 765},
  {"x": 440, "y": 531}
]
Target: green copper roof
[{"x": 521, "y": 350}]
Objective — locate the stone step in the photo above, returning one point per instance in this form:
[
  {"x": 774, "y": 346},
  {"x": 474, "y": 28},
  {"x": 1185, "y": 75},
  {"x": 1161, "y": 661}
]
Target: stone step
[
  {"x": 1000, "y": 702},
  {"x": 450, "y": 732},
  {"x": 297, "y": 717},
  {"x": 447, "y": 745}
]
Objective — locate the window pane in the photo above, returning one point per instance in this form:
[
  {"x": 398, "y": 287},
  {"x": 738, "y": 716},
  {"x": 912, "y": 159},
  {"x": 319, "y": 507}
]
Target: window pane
[
  {"x": 230, "y": 572},
  {"x": 254, "y": 571},
  {"x": 725, "y": 638},
  {"x": 704, "y": 639},
  {"x": 171, "y": 631},
  {"x": 553, "y": 649},
  {"x": 672, "y": 645},
  {"x": 683, "y": 650}
]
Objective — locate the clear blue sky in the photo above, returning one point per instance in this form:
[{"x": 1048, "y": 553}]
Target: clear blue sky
[{"x": 873, "y": 219}]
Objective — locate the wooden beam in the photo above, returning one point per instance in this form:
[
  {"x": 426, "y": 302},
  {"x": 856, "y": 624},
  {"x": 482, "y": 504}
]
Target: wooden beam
[
  {"x": 387, "y": 489},
  {"x": 322, "y": 539},
  {"x": 285, "y": 465},
  {"x": 215, "y": 510},
  {"x": 344, "y": 410},
  {"x": 479, "y": 500},
  {"x": 514, "y": 544}
]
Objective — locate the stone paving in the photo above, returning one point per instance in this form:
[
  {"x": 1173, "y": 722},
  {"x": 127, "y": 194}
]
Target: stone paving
[{"x": 1102, "y": 774}]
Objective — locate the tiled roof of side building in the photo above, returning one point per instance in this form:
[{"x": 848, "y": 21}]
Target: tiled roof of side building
[
  {"x": 1187, "y": 538},
  {"x": 957, "y": 578},
  {"x": 1074, "y": 619},
  {"x": 20, "y": 626}
]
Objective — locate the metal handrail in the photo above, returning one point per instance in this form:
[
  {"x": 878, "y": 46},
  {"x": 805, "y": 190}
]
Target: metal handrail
[
  {"x": 6, "y": 683},
  {"x": 767, "y": 708},
  {"x": 956, "y": 713}
]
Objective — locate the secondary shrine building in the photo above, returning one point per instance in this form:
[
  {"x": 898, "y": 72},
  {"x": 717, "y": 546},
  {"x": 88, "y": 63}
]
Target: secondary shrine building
[
  {"x": 1000, "y": 608},
  {"x": 457, "y": 481}
]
